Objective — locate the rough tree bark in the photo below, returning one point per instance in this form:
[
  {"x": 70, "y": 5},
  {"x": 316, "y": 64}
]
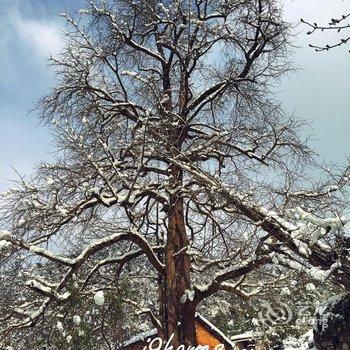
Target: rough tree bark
[{"x": 179, "y": 316}]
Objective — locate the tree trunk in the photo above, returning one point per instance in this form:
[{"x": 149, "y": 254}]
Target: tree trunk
[
  {"x": 188, "y": 326},
  {"x": 180, "y": 320},
  {"x": 179, "y": 317}
]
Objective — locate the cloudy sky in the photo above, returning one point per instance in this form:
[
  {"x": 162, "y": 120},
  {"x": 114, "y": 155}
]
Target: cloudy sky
[{"x": 30, "y": 29}]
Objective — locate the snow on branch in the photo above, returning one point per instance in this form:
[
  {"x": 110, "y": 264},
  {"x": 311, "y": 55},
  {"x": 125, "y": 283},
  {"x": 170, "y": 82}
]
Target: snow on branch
[{"x": 276, "y": 225}]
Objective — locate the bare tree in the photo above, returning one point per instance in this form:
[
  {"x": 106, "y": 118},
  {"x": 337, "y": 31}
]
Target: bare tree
[
  {"x": 339, "y": 25},
  {"x": 175, "y": 165}
]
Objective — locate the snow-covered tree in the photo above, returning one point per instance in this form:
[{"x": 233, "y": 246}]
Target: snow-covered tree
[{"x": 177, "y": 173}]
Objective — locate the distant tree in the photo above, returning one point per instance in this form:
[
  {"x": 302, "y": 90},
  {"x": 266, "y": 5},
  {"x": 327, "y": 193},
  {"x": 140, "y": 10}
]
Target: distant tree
[
  {"x": 332, "y": 326},
  {"x": 176, "y": 171},
  {"x": 340, "y": 25}
]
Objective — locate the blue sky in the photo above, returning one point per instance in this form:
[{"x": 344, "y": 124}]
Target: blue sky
[{"x": 30, "y": 29}]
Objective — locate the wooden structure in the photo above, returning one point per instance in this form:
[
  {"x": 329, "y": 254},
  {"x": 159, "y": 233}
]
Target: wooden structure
[
  {"x": 207, "y": 334},
  {"x": 249, "y": 340}
]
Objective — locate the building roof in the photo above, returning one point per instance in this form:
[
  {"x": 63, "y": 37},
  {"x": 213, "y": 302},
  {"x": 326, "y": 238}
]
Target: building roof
[
  {"x": 250, "y": 335},
  {"x": 142, "y": 337},
  {"x": 212, "y": 329},
  {"x": 228, "y": 342}
]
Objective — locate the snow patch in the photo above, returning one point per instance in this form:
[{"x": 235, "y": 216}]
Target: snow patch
[
  {"x": 188, "y": 295},
  {"x": 99, "y": 298},
  {"x": 69, "y": 339},
  {"x": 76, "y": 320},
  {"x": 4, "y": 244},
  {"x": 59, "y": 326}
]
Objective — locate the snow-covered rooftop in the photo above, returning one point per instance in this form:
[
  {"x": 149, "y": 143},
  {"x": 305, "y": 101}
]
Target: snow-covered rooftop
[
  {"x": 213, "y": 328},
  {"x": 249, "y": 335},
  {"x": 141, "y": 337},
  {"x": 199, "y": 318}
]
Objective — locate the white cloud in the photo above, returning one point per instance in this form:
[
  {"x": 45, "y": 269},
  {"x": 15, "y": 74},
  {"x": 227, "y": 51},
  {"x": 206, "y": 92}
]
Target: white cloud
[{"x": 43, "y": 37}]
